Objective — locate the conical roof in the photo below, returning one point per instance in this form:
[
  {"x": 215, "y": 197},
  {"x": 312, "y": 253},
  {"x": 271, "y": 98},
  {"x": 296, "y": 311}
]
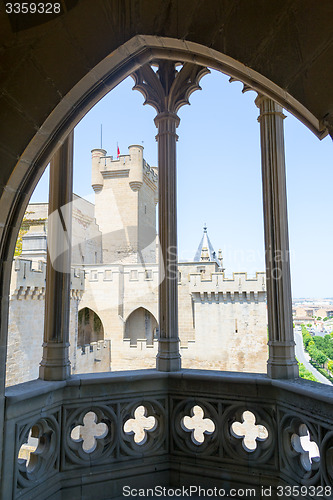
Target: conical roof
[{"x": 206, "y": 252}]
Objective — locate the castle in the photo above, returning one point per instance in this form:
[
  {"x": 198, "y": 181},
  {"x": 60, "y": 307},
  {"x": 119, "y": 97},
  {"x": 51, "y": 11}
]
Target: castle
[
  {"x": 196, "y": 437},
  {"x": 114, "y": 286}
]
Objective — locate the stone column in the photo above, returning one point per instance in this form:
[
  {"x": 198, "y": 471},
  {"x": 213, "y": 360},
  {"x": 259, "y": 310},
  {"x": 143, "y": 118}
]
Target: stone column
[
  {"x": 167, "y": 90},
  {"x": 168, "y": 358},
  {"x": 55, "y": 364},
  {"x": 281, "y": 362}
]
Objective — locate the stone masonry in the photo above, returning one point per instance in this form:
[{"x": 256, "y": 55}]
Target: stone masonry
[{"x": 222, "y": 321}]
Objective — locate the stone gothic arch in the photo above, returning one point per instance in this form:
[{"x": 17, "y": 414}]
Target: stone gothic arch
[
  {"x": 125, "y": 60},
  {"x": 90, "y": 327},
  {"x": 140, "y": 324}
]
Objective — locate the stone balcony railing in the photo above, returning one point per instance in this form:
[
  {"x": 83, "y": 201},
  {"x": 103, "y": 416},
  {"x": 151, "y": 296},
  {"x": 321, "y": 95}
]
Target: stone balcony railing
[{"x": 242, "y": 434}]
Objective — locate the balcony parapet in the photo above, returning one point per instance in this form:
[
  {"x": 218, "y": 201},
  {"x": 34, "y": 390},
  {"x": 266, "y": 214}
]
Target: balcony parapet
[{"x": 100, "y": 432}]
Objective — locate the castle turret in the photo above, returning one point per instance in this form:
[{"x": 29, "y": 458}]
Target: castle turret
[
  {"x": 136, "y": 170},
  {"x": 96, "y": 176},
  {"x": 125, "y": 205}
]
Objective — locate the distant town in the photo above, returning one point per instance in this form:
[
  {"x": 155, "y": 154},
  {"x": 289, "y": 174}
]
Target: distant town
[
  {"x": 313, "y": 333},
  {"x": 316, "y": 314}
]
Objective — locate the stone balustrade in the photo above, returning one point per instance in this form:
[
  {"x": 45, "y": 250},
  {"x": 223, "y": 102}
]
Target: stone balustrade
[{"x": 95, "y": 434}]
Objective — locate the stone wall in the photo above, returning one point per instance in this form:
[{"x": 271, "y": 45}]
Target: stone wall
[
  {"x": 26, "y": 325},
  {"x": 86, "y": 236},
  {"x": 93, "y": 358},
  {"x": 222, "y": 321}
]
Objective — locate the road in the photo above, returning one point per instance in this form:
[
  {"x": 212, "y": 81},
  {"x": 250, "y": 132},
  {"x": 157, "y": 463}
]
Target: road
[{"x": 303, "y": 357}]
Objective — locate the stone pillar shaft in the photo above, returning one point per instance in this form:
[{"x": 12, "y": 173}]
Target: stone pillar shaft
[
  {"x": 168, "y": 358},
  {"x": 167, "y": 90},
  {"x": 55, "y": 364},
  {"x": 281, "y": 362}
]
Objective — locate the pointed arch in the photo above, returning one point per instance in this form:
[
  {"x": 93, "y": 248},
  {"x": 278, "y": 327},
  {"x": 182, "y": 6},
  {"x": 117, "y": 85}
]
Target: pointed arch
[
  {"x": 90, "y": 327},
  {"x": 141, "y": 324}
]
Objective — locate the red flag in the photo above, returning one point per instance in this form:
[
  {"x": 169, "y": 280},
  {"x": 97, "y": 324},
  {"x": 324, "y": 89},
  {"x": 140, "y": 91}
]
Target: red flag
[{"x": 118, "y": 151}]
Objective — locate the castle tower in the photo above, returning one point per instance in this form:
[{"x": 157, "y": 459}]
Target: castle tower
[{"x": 125, "y": 205}]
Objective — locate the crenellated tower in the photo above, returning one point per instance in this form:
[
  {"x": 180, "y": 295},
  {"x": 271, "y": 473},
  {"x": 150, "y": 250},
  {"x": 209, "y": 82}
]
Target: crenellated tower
[{"x": 126, "y": 193}]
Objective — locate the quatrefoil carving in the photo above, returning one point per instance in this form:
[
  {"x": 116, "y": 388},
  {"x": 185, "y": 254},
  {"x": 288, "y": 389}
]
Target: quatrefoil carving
[
  {"x": 27, "y": 450},
  {"x": 37, "y": 453},
  {"x": 308, "y": 449},
  {"x": 198, "y": 425},
  {"x": 250, "y": 432},
  {"x": 140, "y": 425},
  {"x": 89, "y": 432}
]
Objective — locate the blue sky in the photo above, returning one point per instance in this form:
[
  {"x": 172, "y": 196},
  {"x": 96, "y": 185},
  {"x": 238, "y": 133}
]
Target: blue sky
[{"x": 219, "y": 178}]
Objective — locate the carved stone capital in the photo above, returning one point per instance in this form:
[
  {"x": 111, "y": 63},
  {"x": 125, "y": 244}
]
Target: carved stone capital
[
  {"x": 168, "y": 89},
  {"x": 268, "y": 107}
]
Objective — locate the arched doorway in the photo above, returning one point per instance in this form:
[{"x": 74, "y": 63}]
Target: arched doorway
[
  {"x": 90, "y": 327},
  {"x": 140, "y": 325}
]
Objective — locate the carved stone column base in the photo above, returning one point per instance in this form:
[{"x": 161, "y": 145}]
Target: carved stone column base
[
  {"x": 282, "y": 362},
  {"x": 55, "y": 364},
  {"x": 168, "y": 358},
  {"x": 282, "y": 369}
]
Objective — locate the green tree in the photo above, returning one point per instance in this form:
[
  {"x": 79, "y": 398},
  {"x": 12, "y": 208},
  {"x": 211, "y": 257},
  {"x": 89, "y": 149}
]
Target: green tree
[
  {"x": 321, "y": 358},
  {"x": 330, "y": 365},
  {"x": 23, "y": 229},
  {"x": 306, "y": 374},
  {"x": 306, "y": 339},
  {"x": 316, "y": 355}
]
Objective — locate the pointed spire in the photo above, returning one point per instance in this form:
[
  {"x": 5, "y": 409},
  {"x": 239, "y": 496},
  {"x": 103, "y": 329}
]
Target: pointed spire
[{"x": 206, "y": 252}]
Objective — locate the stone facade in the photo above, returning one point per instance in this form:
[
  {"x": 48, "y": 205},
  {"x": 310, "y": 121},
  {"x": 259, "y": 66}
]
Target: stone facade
[
  {"x": 26, "y": 325},
  {"x": 222, "y": 322},
  {"x": 115, "y": 279}
]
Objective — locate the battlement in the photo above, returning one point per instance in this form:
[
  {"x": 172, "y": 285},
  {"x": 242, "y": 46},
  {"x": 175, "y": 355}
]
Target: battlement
[
  {"x": 218, "y": 283},
  {"x": 150, "y": 172},
  {"x": 140, "y": 344},
  {"x": 29, "y": 278},
  {"x": 133, "y": 273},
  {"x": 232, "y": 297},
  {"x": 94, "y": 348},
  {"x": 110, "y": 167},
  {"x": 131, "y": 165}
]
